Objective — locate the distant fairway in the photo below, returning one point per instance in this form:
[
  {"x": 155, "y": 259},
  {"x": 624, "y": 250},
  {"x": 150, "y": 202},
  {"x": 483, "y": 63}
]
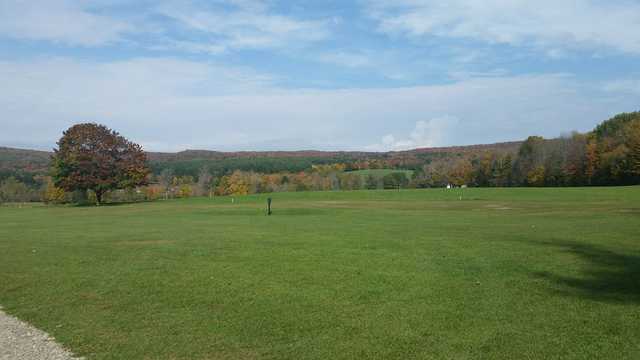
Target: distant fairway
[
  {"x": 380, "y": 173},
  {"x": 412, "y": 274}
]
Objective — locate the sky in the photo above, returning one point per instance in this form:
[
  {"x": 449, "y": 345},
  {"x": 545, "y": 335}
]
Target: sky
[{"x": 373, "y": 75}]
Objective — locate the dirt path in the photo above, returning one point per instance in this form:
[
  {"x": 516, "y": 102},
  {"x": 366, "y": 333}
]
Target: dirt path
[{"x": 21, "y": 341}]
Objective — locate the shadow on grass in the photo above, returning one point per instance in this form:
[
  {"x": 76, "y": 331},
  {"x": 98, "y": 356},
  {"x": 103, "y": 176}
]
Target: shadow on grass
[{"x": 606, "y": 276}]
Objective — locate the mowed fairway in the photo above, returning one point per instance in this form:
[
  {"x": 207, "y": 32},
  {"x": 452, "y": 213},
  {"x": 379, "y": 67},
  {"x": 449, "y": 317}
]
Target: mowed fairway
[{"x": 415, "y": 274}]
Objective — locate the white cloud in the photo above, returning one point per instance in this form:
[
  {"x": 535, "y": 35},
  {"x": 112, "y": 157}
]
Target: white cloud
[
  {"x": 168, "y": 103},
  {"x": 189, "y": 46},
  {"x": 431, "y": 133},
  {"x": 211, "y": 28},
  {"x": 346, "y": 59},
  {"x": 64, "y": 21},
  {"x": 549, "y": 24},
  {"x": 249, "y": 25},
  {"x": 629, "y": 86},
  {"x": 388, "y": 63}
]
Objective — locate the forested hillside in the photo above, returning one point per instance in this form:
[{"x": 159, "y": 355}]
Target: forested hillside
[
  {"x": 29, "y": 164},
  {"x": 24, "y": 165}
]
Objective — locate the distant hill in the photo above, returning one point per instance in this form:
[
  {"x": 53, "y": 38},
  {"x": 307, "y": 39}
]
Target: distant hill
[
  {"x": 37, "y": 162},
  {"x": 25, "y": 160},
  {"x": 510, "y": 146},
  {"x": 218, "y": 155}
]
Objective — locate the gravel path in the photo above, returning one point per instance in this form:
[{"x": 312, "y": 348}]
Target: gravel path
[{"x": 21, "y": 341}]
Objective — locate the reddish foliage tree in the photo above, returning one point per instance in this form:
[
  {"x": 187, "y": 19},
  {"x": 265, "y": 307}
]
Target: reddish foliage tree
[{"x": 94, "y": 157}]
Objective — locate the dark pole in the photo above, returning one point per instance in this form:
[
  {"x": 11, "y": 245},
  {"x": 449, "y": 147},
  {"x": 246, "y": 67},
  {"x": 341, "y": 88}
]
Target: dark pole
[{"x": 268, "y": 206}]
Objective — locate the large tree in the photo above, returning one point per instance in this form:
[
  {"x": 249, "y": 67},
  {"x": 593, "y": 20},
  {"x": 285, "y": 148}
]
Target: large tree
[{"x": 94, "y": 157}]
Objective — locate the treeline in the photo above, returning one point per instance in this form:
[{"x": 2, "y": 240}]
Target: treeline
[
  {"x": 333, "y": 177},
  {"x": 608, "y": 155},
  {"x": 407, "y": 160},
  {"x": 14, "y": 190},
  {"x": 224, "y": 166}
]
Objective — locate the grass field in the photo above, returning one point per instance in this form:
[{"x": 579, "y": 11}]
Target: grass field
[
  {"x": 415, "y": 274},
  {"x": 380, "y": 173}
]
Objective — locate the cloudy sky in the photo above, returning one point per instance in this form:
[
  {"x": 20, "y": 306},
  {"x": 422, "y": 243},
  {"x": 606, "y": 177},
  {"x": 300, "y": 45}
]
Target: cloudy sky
[{"x": 334, "y": 74}]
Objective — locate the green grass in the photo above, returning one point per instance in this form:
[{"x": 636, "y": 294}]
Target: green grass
[
  {"x": 501, "y": 274},
  {"x": 379, "y": 173}
]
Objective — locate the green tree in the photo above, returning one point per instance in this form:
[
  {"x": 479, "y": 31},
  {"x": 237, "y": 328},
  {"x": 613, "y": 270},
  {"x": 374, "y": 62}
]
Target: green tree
[
  {"x": 395, "y": 180},
  {"x": 94, "y": 157},
  {"x": 371, "y": 182}
]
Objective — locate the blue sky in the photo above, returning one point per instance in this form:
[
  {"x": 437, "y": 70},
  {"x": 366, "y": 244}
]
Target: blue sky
[{"x": 332, "y": 75}]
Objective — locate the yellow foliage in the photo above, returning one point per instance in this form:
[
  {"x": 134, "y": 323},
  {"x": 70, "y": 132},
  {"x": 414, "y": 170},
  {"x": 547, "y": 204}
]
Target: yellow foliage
[
  {"x": 53, "y": 194},
  {"x": 185, "y": 191},
  {"x": 237, "y": 184},
  {"x": 535, "y": 177}
]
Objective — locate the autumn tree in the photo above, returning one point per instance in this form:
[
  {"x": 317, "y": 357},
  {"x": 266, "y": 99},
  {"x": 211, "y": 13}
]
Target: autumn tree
[
  {"x": 483, "y": 170},
  {"x": 575, "y": 167},
  {"x": 614, "y": 150},
  {"x": 436, "y": 174},
  {"x": 530, "y": 160},
  {"x": 591, "y": 160},
  {"x": 554, "y": 162},
  {"x": 94, "y": 157},
  {"x": 52, "y": 194},
  {"x": 461, "y": 172},
  {"x": 237, "y": 184},
  {"x": 535, "y": 176},
  {"x": 503, "y": 171},
  {"x": 633, "y": 144}
]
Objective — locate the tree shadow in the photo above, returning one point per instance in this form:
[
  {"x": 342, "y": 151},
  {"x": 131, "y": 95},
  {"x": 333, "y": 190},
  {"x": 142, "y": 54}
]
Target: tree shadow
[{"x": 606, "y": 276}]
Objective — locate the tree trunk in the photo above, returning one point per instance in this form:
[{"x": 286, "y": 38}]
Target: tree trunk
[{"x": 98, "y": 197}]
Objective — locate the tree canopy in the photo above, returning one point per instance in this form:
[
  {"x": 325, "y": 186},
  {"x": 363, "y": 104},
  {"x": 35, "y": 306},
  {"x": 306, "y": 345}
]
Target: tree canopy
[{"x": 94, "y": 157}]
